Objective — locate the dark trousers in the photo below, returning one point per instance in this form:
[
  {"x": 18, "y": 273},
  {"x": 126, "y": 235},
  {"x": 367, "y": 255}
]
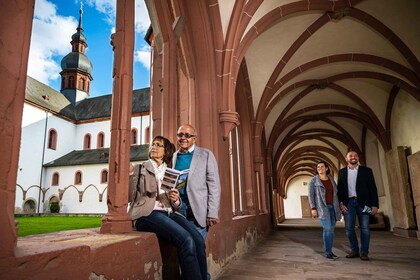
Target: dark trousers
[{"x": 177, "y": 230}]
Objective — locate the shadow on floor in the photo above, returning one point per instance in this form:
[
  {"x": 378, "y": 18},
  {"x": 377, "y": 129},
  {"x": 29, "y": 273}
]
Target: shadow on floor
[{"x": 294, "y": 250}]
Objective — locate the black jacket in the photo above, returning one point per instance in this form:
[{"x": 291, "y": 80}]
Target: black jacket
[{"x": 367, "y": 193}]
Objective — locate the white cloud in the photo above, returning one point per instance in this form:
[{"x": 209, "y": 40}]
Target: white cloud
[
  {"x": 51, "y": 35},
  {"x": 143, "y": 56},
  {"x": 106, "y": 7},
  {"x": 142, "y": 20}
]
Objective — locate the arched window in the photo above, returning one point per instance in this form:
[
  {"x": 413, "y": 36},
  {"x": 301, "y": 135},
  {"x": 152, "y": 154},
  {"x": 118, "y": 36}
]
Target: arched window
[
  {"x": 86, "y": 142},
  {"x": 71, "y": 82},
  {"x": 82, "y": 84},
  {"x": 52, "y": 139},
  {"x": 101, "y": 140},
  {"x": 134, "y": 136},
  {"x": 63, "y": 83},
  {"x": 55, "y": 179},
  {"x": 78, "y": 178},
  {"x": 104, "y": 176},
  {"x": 147, "y": 135}
]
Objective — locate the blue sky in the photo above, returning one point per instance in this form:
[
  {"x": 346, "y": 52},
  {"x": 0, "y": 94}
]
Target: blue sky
[{"x": 55, "y": 21}]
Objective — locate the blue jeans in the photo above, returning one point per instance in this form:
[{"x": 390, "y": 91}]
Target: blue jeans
[
  {"x": 354, "y": 209},
  {"x": 328, "y": 225},
  {"x": 177, "y": 230},
  {"x": 187, "y": 212}
]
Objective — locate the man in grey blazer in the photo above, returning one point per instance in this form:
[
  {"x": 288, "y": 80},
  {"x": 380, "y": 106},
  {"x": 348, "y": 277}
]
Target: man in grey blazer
[{"x": 201, "y": 195}]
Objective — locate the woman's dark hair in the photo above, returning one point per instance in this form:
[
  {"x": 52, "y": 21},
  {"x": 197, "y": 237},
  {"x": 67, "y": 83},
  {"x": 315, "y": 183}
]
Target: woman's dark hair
[
  {"x": 167, "y": 146},
  {"x": 326, "y": 166}
]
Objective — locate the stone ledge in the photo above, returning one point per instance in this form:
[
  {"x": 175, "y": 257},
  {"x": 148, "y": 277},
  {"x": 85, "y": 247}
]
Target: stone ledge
[
  {"x": 83, "y": 254},
  {"x": 407, "y": 233}
]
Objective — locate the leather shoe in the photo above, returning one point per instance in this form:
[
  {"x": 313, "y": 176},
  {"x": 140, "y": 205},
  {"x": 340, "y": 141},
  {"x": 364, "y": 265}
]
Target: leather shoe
[
  {"x": 364, "y": 257},
  {"x": 352, "y": 255}
]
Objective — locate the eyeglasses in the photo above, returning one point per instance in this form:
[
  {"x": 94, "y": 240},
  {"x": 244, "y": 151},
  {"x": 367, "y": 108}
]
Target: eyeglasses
[
  {"x": 187, "y": 135},
  {"x": 157, "y": 145}
]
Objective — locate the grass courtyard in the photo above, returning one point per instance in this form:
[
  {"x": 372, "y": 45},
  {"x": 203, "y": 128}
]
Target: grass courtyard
[{"x": 44, "y": 224}]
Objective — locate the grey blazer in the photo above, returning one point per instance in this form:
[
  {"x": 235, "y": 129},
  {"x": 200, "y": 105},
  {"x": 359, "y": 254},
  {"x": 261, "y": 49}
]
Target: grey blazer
[
  {"x": 203, "y": 185},
  {"x": 317, "y": 198}
]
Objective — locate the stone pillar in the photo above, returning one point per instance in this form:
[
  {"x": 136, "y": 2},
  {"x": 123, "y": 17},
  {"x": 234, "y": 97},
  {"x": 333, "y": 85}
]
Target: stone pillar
[
  {"x": 15, "y": 36},
  {"x": 400, "y": 192},
  {"x": 414, "y": 167},
  {"x": 117, "y": 219}
]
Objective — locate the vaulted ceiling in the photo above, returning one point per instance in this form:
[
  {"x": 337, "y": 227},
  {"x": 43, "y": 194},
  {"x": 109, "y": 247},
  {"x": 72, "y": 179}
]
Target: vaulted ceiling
[{"x": 324, "y": 74}]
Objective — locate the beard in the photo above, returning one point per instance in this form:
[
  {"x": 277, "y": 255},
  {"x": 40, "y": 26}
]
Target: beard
[{"x": 353, "y": 161}]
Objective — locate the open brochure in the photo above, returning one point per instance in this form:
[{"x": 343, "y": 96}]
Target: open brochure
[{"x": 174, "y": 179}]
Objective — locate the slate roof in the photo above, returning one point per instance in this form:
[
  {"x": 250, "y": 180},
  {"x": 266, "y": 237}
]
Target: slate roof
[
  {"x": 44, "y": 96},
  {"x": 89, "y": 108},
  {"x": 95, "y": 156}
]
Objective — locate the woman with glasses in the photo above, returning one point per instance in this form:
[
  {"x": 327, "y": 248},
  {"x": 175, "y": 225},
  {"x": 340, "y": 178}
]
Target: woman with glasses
[
  {"x": 153, "y": 210},
  {"x": 324, "y": 203}
]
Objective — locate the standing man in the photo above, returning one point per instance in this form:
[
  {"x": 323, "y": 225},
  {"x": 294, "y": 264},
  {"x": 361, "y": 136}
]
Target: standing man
[
  {"x": 358, "y": 196},
  {"x": 201, "y": 195}
]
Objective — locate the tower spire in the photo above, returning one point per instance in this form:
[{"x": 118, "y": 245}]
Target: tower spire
[
  {"x": 80, "y": 27},
  {"x": 77, "y": 67}
]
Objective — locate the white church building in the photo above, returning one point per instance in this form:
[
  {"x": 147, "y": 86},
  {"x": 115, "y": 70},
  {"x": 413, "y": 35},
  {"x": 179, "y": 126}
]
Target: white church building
[{"x": 63, "y": 161}]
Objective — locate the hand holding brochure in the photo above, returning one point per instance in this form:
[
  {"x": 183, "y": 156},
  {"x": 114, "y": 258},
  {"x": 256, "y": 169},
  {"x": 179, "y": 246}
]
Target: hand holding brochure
[
  {"x": 174, "y": 179},
  {"x": 367, "y": 209}
]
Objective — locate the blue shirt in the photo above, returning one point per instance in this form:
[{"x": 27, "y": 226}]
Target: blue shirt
[{"x": 183, "y": 161}]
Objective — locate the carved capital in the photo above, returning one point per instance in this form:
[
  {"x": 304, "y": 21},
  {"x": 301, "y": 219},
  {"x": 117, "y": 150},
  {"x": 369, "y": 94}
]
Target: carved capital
[{"x": 228, "y": 120}]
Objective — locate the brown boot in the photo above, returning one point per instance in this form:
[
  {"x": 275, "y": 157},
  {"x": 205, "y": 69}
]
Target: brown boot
[
  {"x": 352, "y": 255},
  {"x": 364, "y": 257}
]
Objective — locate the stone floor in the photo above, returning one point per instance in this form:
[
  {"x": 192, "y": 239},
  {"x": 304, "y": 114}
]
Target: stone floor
[{"x": 294, "y": 251}]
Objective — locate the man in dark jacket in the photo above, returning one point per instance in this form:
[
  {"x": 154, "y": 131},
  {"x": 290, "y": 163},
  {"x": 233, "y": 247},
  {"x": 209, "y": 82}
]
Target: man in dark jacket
[{"x": 358, "y": 195}]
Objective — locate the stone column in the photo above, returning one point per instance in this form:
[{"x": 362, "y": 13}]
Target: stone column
[
  {"x": 15, "y": 36},
  {"x": 400, "y": 192},
  {"x": 117, "y": 219},
  {"x": 414, "y": 167}
]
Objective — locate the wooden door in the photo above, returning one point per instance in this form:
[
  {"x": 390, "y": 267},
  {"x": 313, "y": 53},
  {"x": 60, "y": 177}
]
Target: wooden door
[{"x": 306, "y": 209}]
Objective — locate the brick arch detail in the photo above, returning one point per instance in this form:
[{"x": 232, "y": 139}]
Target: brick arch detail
[
  {"x": 81, "y": 192},
  {"x": 292, "y": 136},
  {"x": 286, "y": 10},
  {"x": 295, "y": 140},
  {"x": 303, "y": 152}
]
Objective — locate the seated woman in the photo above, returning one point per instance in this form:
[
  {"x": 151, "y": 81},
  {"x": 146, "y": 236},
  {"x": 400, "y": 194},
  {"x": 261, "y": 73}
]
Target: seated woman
[{"x": 153, "y": 210}]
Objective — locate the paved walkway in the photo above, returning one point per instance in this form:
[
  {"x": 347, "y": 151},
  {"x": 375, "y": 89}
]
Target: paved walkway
[{"x": 294, "y": 251}]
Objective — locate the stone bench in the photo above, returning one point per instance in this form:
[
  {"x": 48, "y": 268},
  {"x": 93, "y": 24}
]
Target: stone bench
[{"x": 87, "y": 254}]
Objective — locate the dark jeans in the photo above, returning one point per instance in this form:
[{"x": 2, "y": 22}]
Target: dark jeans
[
  {"x": 187, "y": 212},
  {"x": 178, "y": 231},
  {"x": 353, "y": 210}
]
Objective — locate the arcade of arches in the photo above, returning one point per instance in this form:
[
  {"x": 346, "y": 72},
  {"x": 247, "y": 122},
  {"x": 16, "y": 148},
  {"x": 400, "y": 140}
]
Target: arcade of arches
[{"x": 272, "y": 87}]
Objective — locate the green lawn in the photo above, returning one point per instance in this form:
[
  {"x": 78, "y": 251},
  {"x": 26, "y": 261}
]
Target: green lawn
[{"x": 45, "y": 224}]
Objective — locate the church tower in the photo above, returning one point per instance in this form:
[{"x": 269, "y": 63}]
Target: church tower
[{"x": 76, "y": 68}]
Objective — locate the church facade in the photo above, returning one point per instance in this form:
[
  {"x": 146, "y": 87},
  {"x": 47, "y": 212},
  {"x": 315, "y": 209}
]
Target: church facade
[
  {"x": 272, "y": 87},
  {"x": 64, "y": 151}
]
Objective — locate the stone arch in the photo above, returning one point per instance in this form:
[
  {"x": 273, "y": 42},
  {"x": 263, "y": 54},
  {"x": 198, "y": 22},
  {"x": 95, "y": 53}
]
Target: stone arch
[
  {"x": 29, "y": 206},
  {"x": 54, "y": 204}
]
